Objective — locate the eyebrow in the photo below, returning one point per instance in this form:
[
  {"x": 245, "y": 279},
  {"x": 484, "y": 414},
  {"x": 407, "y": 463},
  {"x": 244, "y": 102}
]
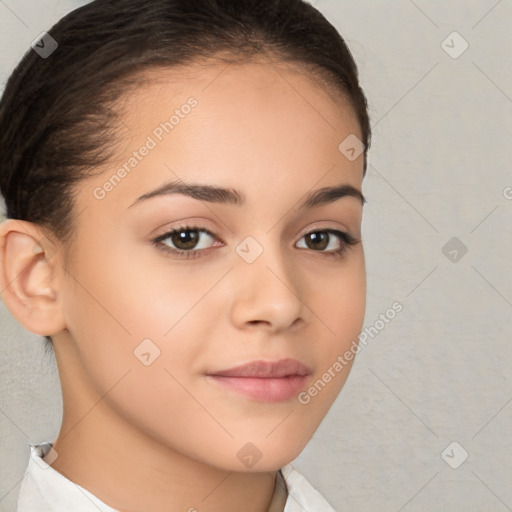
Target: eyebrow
[{"x": 213, "y": 194}]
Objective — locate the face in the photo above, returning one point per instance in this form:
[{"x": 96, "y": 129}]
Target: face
[{"x": 166, "y": 291}]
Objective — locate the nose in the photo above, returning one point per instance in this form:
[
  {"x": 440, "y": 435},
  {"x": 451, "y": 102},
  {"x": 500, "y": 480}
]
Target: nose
[{"x": 266, "y": 294}]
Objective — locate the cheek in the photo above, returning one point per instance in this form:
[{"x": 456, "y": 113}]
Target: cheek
[
  {"x": 137, "y": 343},
  {"x": 341, "y": 303},
  {"x": 340, "y": 306},
  {"x": 122, "y": 315},
  {"x": 132, "y": 314}
]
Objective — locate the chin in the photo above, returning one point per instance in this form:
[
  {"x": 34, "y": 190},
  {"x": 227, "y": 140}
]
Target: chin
[{"x": 268, "y": 455}]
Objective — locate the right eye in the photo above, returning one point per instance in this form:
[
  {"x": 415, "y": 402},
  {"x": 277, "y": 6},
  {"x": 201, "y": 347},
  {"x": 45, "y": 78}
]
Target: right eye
[{"x": 183, "y": 241}]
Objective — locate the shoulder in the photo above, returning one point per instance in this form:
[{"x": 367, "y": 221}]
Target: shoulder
[
  {"x": 302, "y": 496},
  {"x": 46, "y": 490}
]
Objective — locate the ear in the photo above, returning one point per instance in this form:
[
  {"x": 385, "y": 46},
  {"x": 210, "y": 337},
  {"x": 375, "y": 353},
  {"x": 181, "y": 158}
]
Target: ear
[{"x": 27, "y": 277}]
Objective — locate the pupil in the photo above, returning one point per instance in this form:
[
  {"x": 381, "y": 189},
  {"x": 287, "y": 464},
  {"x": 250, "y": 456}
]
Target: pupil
[
  {"x": 184, "y": 239},
  {"x": 320, "y": 236}
]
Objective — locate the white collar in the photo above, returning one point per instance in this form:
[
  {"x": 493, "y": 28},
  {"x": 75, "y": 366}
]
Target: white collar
[{"x": 46, "y": 490}]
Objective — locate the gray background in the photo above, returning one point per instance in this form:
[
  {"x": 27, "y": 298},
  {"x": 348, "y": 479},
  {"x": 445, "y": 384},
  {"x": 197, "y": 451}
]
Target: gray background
[{"x": 439, "y": 372}]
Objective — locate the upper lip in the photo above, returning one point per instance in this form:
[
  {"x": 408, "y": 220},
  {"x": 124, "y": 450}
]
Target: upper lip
[{"x": 266, "y": 369}]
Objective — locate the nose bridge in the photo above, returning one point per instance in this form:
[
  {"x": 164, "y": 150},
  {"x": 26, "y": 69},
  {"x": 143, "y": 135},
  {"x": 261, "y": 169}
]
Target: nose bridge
[{"x": 266, "y": 288}]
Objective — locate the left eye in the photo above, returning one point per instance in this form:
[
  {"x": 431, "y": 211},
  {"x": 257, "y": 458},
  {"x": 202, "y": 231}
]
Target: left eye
[
  {"x": 189, "y": 240},
  {"x": 323, "y": 240}
]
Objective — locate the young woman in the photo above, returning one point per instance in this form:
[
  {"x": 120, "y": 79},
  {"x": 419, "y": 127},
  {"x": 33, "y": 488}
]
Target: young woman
[{"x": 182, "y": 180}]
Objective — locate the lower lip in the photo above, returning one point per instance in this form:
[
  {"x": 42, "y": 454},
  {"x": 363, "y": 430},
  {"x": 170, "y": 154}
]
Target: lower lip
[{"x": 263, "y": 389}]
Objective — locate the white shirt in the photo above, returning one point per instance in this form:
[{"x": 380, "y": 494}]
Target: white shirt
[{"x": 44, "y": 489}]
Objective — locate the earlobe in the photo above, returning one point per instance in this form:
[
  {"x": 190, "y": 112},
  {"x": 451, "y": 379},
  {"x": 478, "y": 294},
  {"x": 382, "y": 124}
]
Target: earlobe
[{"x": 27, "y": 277}]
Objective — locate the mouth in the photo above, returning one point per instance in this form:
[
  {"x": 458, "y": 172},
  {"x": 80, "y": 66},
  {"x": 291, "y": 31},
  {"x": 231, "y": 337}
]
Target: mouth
[{"x": 264, "y": 381}]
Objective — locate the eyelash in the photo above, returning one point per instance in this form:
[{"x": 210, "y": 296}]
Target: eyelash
[{"x": 346, "y": 239}]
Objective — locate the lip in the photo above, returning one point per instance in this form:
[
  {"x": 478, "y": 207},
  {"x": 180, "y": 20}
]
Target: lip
[{"x": 264, "y": 381}]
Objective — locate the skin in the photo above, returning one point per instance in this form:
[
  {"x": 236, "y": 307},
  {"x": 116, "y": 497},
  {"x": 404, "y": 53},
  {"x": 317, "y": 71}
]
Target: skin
[{"x": 162, "y": 437}]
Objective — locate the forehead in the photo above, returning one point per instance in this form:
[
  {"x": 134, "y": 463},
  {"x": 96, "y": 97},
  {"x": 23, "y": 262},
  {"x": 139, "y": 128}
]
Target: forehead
[
  {"x": 232, "y": 91},
  {"x": 252, "y": 124},
  {"x": 257, "y": 71}
]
